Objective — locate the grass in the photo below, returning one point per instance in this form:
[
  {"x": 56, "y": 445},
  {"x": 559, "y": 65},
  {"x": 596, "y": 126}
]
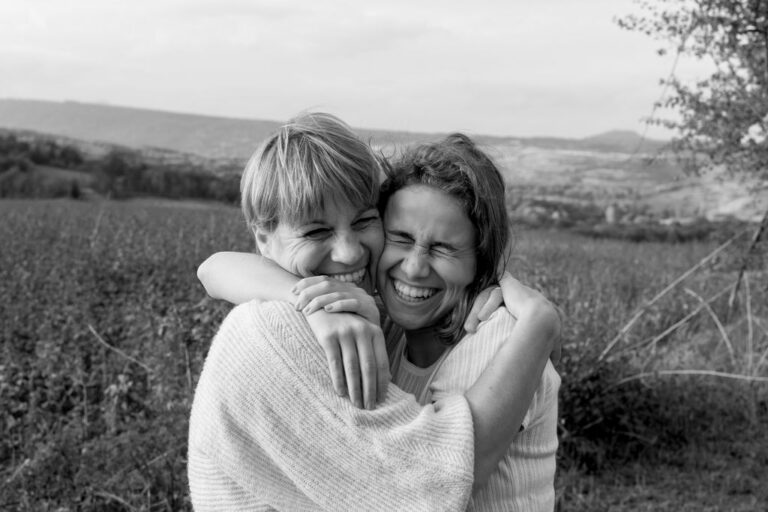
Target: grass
[{"x": 104, "y": 329}]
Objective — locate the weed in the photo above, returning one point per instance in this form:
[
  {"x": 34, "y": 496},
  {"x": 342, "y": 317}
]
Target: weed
[{"x": 104, "y": 330}]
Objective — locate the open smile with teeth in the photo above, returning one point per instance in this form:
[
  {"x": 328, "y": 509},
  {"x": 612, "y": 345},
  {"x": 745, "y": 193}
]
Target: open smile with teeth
[
  {"x": 412, "y": 293},
  {"x": 355, "y": 277}
]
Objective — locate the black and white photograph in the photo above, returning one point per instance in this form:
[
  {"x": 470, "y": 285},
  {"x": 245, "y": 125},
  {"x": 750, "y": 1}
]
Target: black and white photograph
[{"x": 265, "y": 255}]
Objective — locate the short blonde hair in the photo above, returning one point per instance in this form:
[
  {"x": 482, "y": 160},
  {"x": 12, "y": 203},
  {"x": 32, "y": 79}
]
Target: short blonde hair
[{"x": 313, "y": 158}]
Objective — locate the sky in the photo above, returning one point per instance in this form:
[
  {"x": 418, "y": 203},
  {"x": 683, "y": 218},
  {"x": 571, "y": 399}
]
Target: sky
[{"x": 535, "y": 68}]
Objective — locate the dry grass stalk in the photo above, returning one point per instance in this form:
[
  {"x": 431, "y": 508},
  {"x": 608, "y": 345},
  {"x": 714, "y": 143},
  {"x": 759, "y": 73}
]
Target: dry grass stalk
[
  {"x": 117, "y": 350},
  {"x": 669, "y": 330},
  {"x": 745, "y": 260},
  {"x": 720, "y": 327},
  {"x": 117, "y": 499},
  {"x": 624, "y": 330},
  {"x": 764, "y": 358},
  {"x": 709, "y": 373},
  {"x": 750, "y": 330}
]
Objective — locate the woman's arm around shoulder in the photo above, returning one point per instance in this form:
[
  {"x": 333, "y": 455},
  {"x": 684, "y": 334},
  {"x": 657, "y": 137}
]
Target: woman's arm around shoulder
[
  {"x": 502, "y": 394},
  {"x": 239, "y": 277}
]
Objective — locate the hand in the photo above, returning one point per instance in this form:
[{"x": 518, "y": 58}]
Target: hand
[
  {"x": 334, "y": 296},
  {"x": 486, "y": 303},
  {"x": 526, "y": 303},
  {"x": 356, "y": 353}
]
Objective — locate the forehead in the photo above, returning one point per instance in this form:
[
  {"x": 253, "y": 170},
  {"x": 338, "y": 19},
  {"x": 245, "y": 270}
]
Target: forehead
[{"x": 428, "y": 214}]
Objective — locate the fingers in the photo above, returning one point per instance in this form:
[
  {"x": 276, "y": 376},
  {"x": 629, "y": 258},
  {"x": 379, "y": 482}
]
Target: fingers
[
  {"x": 495, "y": 300},
  {"x": 368, "y": 370},
  {"x": 351, "y": 368},
  {"x": 366, "y": 366},
  {"x": 345, "y": 305},
  {"x": 382, "y": 365},
  {"x": 356, "y": 354},
  {"x": 470, "y": 324},
  {"x": 333, "y": 355},
  {"x": 319, "y": 302},
  {"x": 484, "y": 305},
  {"x": 323, "y": 286},
  {"x": 343, "y": 302},
  {"x": 308, "y": 282},
  {"x": 515, "y": 291},
  {"x": 519, "y": 298}
]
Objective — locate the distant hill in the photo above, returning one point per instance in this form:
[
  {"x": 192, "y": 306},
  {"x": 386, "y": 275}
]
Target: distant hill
[
  {"x": 219, "y": 137},
  {"x": 206, "y": 136},
  {"x": 607, "y": 168},
  {"x": 623, "y": 141}
]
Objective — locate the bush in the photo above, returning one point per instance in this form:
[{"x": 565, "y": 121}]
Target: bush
[{"x": 24, "y": 183}]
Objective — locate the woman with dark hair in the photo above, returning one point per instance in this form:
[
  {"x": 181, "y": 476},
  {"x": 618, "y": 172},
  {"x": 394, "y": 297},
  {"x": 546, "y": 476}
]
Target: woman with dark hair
[
  {"x": 458, "y": 169},
  {"x": 446, "y": 231},
  {"x": 446, "y": 234}
]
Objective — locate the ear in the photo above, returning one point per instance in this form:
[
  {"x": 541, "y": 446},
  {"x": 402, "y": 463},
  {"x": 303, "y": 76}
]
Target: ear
[{"x": 263, "y": 241}]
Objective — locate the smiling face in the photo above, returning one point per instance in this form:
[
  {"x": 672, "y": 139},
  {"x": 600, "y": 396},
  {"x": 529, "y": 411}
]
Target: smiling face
[
  {"x": 429, "y": 256},
  {"x": 337, "y": 241}
]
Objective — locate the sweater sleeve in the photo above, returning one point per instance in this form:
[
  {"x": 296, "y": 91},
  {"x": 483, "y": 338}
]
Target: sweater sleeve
[{"x": 265, "y": 400}]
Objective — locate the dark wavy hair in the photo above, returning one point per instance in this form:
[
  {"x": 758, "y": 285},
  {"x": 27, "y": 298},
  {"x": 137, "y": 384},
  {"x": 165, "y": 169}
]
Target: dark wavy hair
[{"x": 459, "y": 168}]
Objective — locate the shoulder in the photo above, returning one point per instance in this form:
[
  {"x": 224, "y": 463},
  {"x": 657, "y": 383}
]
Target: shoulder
[
  {"x": 255, "y": 333},
  {"x": 490, "y": 333},
  {"x": 256, "y": 319},
  {"x": 258, "y": 312},
  {"x": 257, "y": 344},
  {"x": 473, "y": 353},
  {"x": 500, "y": 321}
]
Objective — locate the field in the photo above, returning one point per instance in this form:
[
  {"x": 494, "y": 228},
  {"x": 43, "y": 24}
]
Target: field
[{"x": 105, "y": 329}]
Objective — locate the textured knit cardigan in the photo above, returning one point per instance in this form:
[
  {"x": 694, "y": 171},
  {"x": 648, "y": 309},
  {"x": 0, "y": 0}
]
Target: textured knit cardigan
[{"x": 268, "y": 432}]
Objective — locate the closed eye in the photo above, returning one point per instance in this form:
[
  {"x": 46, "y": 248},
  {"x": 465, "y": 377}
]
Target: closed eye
[
  {"x": 443, "y": 249},
  {"x": 364, "y": 222},
  {"x": 318, "y": 234},
  {"x": 399, "y": 238}
]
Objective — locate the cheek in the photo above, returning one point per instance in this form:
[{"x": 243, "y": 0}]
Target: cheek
[
  {"x": 381, "y": 270},
  {"x": 461, "y": 274},
  {"x": 306, "y": 258},
  {"x": 389, "y": 257},
  {"x": 373, "y": 240}
]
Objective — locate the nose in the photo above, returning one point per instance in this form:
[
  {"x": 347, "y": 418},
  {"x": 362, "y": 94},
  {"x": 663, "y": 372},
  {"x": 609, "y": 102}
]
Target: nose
[
  {"x": 415, "y": 263},
  {"x": 347, "y": 249}
]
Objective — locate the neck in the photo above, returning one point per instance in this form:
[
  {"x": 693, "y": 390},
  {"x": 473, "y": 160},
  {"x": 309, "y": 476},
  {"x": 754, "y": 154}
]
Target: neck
[{"x": 424, "y": 347}]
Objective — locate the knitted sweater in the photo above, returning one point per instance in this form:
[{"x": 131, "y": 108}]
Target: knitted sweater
[{"x": 268, "y": 432}]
